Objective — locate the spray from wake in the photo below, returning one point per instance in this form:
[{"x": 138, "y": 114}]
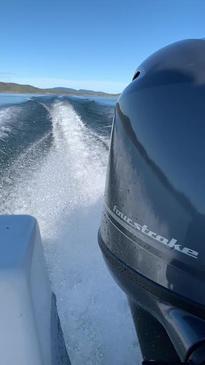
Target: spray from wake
[
  {"x": 5, "y": 116},
  {"x": 65, "y": 194}
]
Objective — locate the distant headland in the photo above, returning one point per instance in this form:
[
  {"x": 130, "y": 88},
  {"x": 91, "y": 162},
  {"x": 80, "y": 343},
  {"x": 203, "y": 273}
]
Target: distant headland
[{"x": 10, "y": 87}]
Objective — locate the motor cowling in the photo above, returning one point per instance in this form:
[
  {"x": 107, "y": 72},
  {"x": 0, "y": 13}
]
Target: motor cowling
[{"x": 152, "y": 232}]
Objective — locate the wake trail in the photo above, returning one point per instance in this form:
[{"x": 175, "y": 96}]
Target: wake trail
[{"x": 65, "y": 195}]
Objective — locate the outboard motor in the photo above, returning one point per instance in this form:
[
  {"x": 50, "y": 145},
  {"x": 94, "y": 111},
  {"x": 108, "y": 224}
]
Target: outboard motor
[{"x": 152, "y": 232}]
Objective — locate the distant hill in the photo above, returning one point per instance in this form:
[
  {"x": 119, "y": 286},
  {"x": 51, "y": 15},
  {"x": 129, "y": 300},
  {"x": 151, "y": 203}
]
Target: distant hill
[{"x": 10, "y": 87}]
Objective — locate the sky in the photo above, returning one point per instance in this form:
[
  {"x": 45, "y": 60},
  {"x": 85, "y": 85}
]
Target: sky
[{"x": 89, "y": 44}]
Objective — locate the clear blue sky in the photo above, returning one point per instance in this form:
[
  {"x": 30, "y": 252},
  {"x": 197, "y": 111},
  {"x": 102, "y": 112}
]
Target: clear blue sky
[{"x": 93, "y": 44}]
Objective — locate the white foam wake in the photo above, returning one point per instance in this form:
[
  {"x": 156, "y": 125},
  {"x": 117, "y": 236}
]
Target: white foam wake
[
  {"x": 65, "y": 195},
  {"x": 6, "y": 115}
]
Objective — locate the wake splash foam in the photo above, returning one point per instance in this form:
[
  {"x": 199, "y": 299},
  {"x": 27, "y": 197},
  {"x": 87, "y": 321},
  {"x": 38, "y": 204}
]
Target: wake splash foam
[
  {"x": 5, "y": 117},
  {"x": 84, "y": 157},
  {"x": 65, "y": 194}
]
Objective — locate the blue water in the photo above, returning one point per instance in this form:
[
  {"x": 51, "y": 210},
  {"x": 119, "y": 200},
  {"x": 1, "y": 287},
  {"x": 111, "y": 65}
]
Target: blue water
[
  {"x": 53, "y": 157},
  {"x": 98, "y": 99},
  {"x": 6, "y": 99}
]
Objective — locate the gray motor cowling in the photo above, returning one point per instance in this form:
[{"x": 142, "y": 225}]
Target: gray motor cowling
[{"x": 152, "y": 232}]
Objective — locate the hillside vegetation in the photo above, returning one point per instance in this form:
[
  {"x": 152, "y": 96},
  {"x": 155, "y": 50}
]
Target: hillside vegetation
[{"x": 10, "y": 87}]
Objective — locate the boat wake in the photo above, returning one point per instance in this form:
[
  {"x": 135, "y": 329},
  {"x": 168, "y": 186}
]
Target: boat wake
[{"x": 60, "y": 179}]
